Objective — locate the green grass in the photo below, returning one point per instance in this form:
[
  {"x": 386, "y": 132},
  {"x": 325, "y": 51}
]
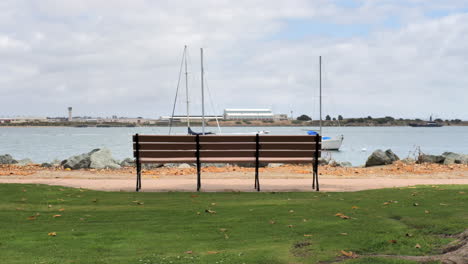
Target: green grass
[{"x": 119, "y": 227}]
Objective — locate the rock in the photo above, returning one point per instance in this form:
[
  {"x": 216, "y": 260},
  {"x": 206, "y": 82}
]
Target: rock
[
  {"x": 102, "y": 159},
  {"x": 252, "y": 165},
  {"x": 275, "y": 165},
  {"x": 345, "y": 164},
  {"x": 334, "y": 163},
  {"x": 150, "y": 166},
  {"x": 393, "y": 157},
  {"x": 217, "y": 165},
  {"x": 77, "y": 162},
  {"x": 323, "y": 161},
  {"x": 379, "y": 157},
  {"x": 24, "y": 162},
  {"x": 171, "y": 165},
  {"x": 184, "y": 166},
  {"x": 46, "y": 165},
  {"x": 455, "y": 158},
  {"x": 7, "y": 159},
  {"x": 425, "y": 158},
  {"x": 96, "y": 159},
  {"x": 128, "y": 162}
]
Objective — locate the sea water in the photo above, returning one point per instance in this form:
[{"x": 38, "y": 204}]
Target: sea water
[{"x": 44, "y": 144}]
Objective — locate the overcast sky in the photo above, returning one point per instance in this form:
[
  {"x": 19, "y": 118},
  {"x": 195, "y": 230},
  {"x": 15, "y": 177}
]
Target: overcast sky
[{"x": 405, "y": 58}]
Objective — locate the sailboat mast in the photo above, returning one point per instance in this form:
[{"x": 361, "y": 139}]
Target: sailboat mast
[
  {"x": 202, "y": 92},
  {"x": 320, "y": 89},
  {"x": 186, "y": 86}
]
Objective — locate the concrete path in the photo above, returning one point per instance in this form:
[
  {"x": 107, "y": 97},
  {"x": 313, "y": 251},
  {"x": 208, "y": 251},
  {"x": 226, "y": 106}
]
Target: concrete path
[{"x": 229, "y": 185}]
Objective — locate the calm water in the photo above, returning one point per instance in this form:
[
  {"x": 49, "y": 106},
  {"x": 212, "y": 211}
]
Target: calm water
[{"x": 43, "y": 144}]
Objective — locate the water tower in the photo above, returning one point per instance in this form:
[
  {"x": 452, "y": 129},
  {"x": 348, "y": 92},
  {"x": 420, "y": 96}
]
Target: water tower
[{"x": 69, "y": 114}]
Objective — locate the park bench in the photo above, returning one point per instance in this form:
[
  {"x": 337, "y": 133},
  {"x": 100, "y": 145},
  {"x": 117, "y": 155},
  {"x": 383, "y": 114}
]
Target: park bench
[{"x": 254, "y": 149}]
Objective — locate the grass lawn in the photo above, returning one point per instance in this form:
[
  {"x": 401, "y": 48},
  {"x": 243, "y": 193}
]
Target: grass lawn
[{"x": 120, "y": 227}]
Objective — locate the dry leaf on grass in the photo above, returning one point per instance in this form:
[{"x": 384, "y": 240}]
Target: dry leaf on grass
[
  {"x": 52, "y": 234},
  {"x": 348, "y": 254},
  {"x": 342, "y": 216},
  {"x": 210, "y": 211},
  {"x": 212, "y": 252},
  {"x": 307, "y": 235},
  {"x": 57, "y": 215},
  {"x": 188, "y": 252}
]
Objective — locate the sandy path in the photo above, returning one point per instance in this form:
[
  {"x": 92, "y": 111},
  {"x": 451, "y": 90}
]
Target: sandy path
[
  {"x": 244, "y": 185},
  {"x": 290, "y": 178}
]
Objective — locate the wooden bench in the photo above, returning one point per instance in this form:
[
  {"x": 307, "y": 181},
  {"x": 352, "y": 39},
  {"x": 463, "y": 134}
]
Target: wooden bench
[{"x": 253, "y": 149}]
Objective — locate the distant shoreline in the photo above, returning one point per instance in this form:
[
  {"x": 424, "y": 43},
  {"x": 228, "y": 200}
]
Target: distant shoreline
[{"x": 349, "y": 122}]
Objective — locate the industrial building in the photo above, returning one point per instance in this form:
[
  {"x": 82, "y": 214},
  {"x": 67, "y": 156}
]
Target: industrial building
[{"x": 248, "y": 114}]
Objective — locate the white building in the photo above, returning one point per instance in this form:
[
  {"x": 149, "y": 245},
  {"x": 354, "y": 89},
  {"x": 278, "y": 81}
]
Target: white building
[{"x": 250, "y": 114}]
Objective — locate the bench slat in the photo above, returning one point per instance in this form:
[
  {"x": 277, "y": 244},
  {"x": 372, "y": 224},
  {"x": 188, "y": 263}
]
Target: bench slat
[
  {"x": 227, "y": 160},
  {"x": 263, "y": 138},
  {"x": 227, "y": 154},
  {"x": 227, "y": 146},
  {"x": 164, "y": 138},
  {"x": 166, "y": 146}
]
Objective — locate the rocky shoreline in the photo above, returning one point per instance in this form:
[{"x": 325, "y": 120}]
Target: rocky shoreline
[{"x": 102, "y": 159}]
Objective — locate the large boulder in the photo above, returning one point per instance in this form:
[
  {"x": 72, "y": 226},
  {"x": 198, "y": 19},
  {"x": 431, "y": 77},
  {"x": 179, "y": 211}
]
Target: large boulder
[
  {"x": 454, "y": 158},
  {"x": 380, "y": 157},
  {"x": 96, "y": 159},
  {"x": 7, "y": 159},
  {"x": 102, "y": 159},
  {"x": 426, "y": 158}
]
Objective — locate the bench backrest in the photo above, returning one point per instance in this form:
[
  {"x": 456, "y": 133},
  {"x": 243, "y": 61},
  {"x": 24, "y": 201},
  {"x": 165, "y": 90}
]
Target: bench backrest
[{"x": 226, "y": 146}]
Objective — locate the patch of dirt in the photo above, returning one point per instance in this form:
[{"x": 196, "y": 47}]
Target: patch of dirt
[
  {"x": 301, "y": 249},
  {"x": 454, "y": 253}
]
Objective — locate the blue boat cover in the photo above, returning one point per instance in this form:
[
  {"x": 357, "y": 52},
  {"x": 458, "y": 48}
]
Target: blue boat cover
[{"x": 313, "y": 133}]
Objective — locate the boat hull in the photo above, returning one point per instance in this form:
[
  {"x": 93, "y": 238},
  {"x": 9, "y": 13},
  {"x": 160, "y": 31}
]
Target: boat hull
[{"x": 333, "y": 143}]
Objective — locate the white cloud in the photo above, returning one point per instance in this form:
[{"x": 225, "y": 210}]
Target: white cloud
[{"x": 123, "y": 58}]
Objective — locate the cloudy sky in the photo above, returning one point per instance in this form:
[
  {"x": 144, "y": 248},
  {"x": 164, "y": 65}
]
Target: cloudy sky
[{"x": 403, "y": 58}]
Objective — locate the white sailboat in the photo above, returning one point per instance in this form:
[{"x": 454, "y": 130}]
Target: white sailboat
[{"x": 328, "y": 142}]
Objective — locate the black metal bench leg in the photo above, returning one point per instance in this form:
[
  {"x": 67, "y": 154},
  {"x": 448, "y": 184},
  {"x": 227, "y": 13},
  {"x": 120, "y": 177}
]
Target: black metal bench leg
[
  {"x": 138, "y": 178},
  {"x": 198, "y": 178},
  {"x": 316, "y": 180},
  {"x": 313, "y": 176},
  {"x": 257, "y": 181}
]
